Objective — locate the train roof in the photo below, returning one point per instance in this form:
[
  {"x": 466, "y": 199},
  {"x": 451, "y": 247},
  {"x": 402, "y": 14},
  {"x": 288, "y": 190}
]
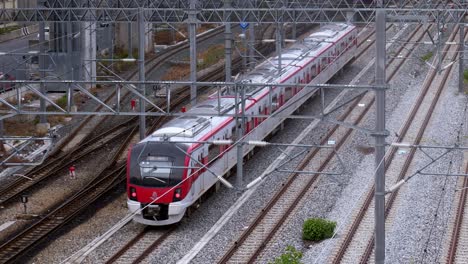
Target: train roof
[
  {"x": 296, "y": 56},
  {"x": 191, "y": 126}
]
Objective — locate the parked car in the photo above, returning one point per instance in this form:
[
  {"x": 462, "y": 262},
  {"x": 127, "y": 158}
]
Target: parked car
[{"x": 6, "y": 86}]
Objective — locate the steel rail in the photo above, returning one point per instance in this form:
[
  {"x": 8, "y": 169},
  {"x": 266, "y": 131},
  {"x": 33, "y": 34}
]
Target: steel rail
[
  {"x": 60, "y": 161},
  {"x": 24, "y": 241},
  {"x": 348, "y": 237},
  {"x": 291, "y": 178},
  {"x": 441, "y": 86},
  {"x": 459, "y": 220}
]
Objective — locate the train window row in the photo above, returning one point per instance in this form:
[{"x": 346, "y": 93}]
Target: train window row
[{"x": 277, "y": 100}]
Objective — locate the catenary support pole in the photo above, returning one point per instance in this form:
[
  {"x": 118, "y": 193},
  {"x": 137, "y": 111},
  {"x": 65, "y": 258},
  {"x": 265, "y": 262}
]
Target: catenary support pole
[
  {"x": 240, "y": 90},
  {"x": 227, "y": 43},
  {"x": 380, "y": 134},
  {"x": 42, "y": 103},
  {"x": 141, "y": 69},
  {"x": 69, "y": 49},
  {"x": 192, "y": 17},
  {"x": 129, "y": 37},
  {"x": 251, "y": 40},
  {"x": 251, "y": 46},
  {"x": 461, "y": 58},
  {"x": 278, "y": 46}
]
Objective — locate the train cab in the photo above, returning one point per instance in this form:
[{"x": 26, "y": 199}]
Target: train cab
[{"x": 155, "y": 172}]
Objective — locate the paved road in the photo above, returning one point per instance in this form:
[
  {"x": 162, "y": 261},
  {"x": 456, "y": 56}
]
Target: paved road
[{"x": 13, "y": 63}]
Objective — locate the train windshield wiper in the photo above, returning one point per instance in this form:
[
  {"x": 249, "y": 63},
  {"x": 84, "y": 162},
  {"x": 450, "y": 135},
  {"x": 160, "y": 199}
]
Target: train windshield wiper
[{"x": 156, "y": 178}]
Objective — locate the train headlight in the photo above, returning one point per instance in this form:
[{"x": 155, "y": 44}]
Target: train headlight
[
  {"x": 177, "y": 194},
  {"x": 133, "y": 194}
]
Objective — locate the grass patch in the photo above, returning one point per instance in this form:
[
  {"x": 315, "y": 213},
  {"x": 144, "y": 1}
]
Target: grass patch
[
  {"x": 176, "y": 73},
  {"x": 62, "y": 102},
  {"x": 8, "y": 29},
  {"x": 427, "y": 56},
  {"x": 166, "y": 37},
  {"x": 205, "y": 59},
  {"x": 120, "y": 66},
  {"x": 211, "y": 56}
]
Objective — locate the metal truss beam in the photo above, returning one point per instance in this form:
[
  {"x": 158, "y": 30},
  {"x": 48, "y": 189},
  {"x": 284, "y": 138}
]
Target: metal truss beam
[{"x": 296, "y": 12}]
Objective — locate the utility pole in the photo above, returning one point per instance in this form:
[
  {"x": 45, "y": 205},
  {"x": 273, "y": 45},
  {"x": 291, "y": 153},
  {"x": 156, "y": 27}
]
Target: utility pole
[
  {"x": 141, "y": 69},
  {"x": 192, "y": 18},
  {"x": 380, "y": 134}
]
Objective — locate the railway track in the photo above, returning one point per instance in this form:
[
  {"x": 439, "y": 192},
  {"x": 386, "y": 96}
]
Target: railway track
[
  {"x": 106, "y": 180},
  {"x": 360, "y": 236},
  {"x": 250, "y": 245},
  {"x": 140, "y": 246},
  {"x": 59, "y": 160},
  {"x": 459, "y": 236}
]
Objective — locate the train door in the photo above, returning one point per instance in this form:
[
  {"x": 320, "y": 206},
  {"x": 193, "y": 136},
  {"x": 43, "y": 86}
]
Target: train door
[
  {"x": 252, "y": 121},
  {"x": 205, "y": 161},
  {"x": 323, "y": 64},
  {"x": 196, "y": 172},
  {"x": 296, "y": 81},
  {"x": 257, "y": 119}
]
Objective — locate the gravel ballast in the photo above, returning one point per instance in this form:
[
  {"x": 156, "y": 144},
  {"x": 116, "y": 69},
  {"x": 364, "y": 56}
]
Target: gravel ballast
[{"x": 413, "y": 222}]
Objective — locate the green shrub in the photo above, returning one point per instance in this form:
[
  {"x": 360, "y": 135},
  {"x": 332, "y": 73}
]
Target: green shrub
[
  {"x": 465, "y": 76},
  {"x": 316, "y": 229},
  {"x": 4, "y": 30},
  {"x": 62, "y": 101},
  {"x": 291, "y": 256},
  {"x": 427, "y": 56}
]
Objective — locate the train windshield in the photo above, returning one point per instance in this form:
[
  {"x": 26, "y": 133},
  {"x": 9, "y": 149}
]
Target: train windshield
[
  {"x": 156, "y": 169},
  {"x": 156, "y": 165}
]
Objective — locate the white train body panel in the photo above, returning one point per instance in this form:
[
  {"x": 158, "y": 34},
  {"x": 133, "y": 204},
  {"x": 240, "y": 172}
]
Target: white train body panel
[{"x": 315, "y": 61}]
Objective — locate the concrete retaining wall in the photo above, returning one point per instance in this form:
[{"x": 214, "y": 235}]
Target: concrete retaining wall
[{"x": 19, "y": 33}]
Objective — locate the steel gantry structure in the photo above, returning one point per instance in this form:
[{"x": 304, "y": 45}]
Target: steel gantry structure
[
  {"x": 213, "y": 11},
  {"x": 193, "y": 12}
]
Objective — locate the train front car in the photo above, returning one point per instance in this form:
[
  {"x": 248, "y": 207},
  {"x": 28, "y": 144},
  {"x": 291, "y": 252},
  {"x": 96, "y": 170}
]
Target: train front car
[{"x": 155, "y": 187}]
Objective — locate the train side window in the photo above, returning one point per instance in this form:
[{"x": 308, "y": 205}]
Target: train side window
[
  {"x": 197, "y": 168},
  {"x": 258, "y": 120},
  {"x": 252, "y": 122},
  {"x": 233, "y": 133},
  {"x": 313, "y": 70},
  {"x": 213, "y": 153},
  {"x": 274, "y": 103}
]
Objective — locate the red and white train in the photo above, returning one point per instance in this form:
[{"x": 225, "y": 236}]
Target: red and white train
[{"x": 164, "y": 179}]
